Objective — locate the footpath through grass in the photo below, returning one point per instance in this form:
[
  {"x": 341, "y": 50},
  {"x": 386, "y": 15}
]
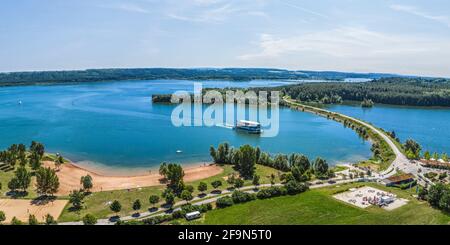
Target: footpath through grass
[{"x": 317, "y": 206}]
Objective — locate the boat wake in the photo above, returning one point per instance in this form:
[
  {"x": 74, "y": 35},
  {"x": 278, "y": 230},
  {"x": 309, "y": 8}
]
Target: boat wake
[{"x": 228, "y": 126}]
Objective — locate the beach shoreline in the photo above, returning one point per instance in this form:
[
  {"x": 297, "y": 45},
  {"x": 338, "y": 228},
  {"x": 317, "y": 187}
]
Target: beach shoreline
[{"x": 69, "y": 175}]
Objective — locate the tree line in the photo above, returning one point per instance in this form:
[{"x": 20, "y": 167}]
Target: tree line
[
  {"x": 394, "y": 90},
  {"x": 245, "y": 158},
  {"x": 232, "y": 74},
  {"x": 437, "y": 195}
]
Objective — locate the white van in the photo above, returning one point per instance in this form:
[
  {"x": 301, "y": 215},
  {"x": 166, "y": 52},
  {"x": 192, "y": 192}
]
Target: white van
[{"x": 193, "y": 215}]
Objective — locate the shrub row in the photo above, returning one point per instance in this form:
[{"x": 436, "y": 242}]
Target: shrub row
[{"x": 290, "y": 188}]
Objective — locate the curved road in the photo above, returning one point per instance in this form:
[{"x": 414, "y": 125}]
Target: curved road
[{"x": 400, "y": 162}]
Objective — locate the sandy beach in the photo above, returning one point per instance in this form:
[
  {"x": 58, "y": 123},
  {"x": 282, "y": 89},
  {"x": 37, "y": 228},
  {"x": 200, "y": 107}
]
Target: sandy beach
[{"x": 69, "y": 178}]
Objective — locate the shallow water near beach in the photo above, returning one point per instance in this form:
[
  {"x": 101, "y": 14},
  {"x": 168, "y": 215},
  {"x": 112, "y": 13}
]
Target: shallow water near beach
[{"x": 113, "y": 126}]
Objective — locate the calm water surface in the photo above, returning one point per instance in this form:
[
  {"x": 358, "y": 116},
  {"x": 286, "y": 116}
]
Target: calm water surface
[
  {"x": 114, "y": 125},
  {"x": 429, "y": 126}
]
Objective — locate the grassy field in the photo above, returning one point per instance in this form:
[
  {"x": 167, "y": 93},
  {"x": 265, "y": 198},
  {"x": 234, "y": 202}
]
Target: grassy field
[
  {"x": 319, "y": 207},
  {"x": 97, "y": 203}
]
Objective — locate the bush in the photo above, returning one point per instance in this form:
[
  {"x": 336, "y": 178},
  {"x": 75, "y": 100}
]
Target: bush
[
  {"x": 178, "y": 214},
  {"x": 89, "y": 219},
  {"x": 224, "y": 202},
  {"x": 241, "y": 197},
  {"x": 294, "y": 187},
  {"x": 273, "y": 191},
  {"x": 157, "y": 219},
  {"x": 188, "y": 208}
]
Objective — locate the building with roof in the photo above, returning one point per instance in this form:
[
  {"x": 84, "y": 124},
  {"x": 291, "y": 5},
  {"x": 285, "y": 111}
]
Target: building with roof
[{"x": 398, "y": 180}]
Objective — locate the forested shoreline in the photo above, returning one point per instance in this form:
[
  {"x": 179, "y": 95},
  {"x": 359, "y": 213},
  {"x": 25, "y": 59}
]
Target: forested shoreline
[
  {"x": 394, "y": 91},
  {"x": 229, "y": 74}
]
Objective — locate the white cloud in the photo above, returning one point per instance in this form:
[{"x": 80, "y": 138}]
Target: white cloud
[
  {"x": 345, "y": 42},
  {"x": 305, "y": 10},
  {"x": 128, "y": 7},
  {"x": 417, "y": 12},
  {"x": 213, "y": 11},
  {"x": 353, "y": 49}
]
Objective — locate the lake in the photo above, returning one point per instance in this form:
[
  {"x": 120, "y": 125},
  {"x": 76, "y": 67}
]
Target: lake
[
  {"x": 428, "y": 126},
  {"x": 112, "y": 126}
]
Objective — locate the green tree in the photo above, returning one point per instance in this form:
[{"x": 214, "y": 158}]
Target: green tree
[
  {"x": 435, "y": 193},
  {"x": 427, "y": 155},
  {"x": 115, "y": 206},
  {"x": 272, "y": 179},
  {"x": 412, "y": 149},
  {"x": 32, "y": 220},
  {"x": 16, "y": 221},
  {"x": 174, "y": 175},
  {"x": 47, "y": 181},
  {"x": 76, "y": 198},
  {"x": 86, "y": 182},
  {"x": 37, "y": 148},
  {"x": 216, "y": 184},
  {"x": 202, "y": 187},
  {"x": 445, "y": 157},
  {"x": 90, "y": 219},
  {"x": 23, "y": 178},
  {"x": 238, "y": 183},
  {"x": 35, "y": 161},
  {"x": 255, "y": 180},
  {"x": 444, "y": 201},
  {"x": 186, "y": 195},
  {"x": 137, "y": 205},
  {"x": 163, "y": 169},
  {"x": 247, "y": 161},
  {"x": 189, "y": 188},
  {"x": 320, "y": 168},
  {"x": 231, "y": 178},
  {"x": 49, "y": 220},
  {"x": 153, "y": 199},
  {"x": 436, "y": 156},
  {"x": 213, "y": 154},
  {"x": 169, "y": 196},
  {"x": 13, "y": 184},
  {"x": 2, "y": 216}
]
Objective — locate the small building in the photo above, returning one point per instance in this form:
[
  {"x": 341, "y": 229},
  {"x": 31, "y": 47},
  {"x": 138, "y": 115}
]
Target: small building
[
  {"x": 387, "y": 200},
  {"x": 398, "y": 180},
  {"x": 193, "y": 215}
]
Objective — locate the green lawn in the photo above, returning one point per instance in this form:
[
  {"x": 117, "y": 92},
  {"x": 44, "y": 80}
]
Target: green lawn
[
  {"x": 96, "y": 203},
  {"x": 319, "y": 207}
]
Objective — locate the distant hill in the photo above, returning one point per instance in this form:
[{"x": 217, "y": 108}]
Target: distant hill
[{"x": 233, "y": 74}]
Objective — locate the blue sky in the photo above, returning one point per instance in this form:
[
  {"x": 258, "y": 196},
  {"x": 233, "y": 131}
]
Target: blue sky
[{"x": 407, "y": 37}]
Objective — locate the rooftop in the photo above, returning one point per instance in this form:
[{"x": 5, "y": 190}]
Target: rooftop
[{"x": 400, "y": 178}]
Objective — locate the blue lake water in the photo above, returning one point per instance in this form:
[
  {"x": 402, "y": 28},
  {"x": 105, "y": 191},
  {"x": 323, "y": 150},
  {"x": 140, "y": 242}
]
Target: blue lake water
[
  {"x": 114, "y": 125},
  {"x": 428, "y": 126}
]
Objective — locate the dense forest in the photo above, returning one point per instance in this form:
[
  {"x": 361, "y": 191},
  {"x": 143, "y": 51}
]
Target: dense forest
[
  {"x": 232, "y": 74},
  {"x": 396, "y": 91}
]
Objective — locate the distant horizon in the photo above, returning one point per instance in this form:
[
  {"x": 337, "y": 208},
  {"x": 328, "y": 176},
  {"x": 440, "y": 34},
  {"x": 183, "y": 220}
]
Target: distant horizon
[
  {"x": 408, "y": 37},
  {"x": 221, "y": 68}
]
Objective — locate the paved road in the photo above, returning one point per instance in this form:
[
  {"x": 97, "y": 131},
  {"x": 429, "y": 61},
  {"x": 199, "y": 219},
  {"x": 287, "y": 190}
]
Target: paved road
[{"x": 210, "y": 198}]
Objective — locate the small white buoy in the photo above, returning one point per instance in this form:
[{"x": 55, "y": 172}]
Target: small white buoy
[{"x": 179, "y": 151}]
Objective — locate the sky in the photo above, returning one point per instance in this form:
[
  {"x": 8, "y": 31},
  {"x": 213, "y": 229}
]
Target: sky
[{"x": 390, "y": 36}]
